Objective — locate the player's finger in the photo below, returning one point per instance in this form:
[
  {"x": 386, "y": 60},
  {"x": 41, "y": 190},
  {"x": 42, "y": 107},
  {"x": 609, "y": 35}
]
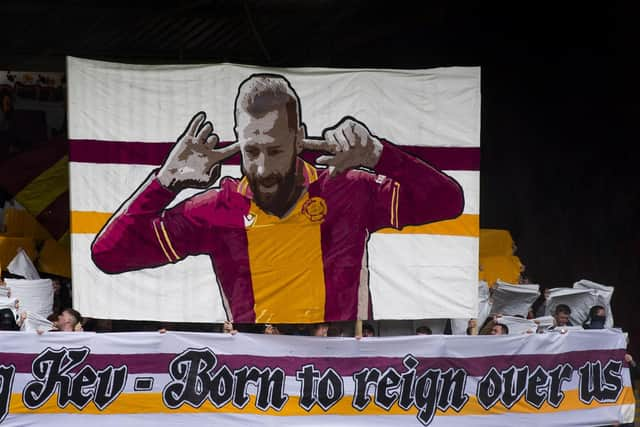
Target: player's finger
[
  {"x": 204, "y": 133},
  {"x": 228, "y": 150},
  {"x": 195, "y": 122},
  {"x": 352, "y": 140},
  {"x": 326, "y": 160},
  {"x": 212, "y": 140},
  {"x": 340, "y": 138},
  {"x": 318, "y": 144}
]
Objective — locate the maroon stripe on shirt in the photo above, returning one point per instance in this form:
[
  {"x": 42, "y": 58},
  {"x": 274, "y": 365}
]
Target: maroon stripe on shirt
[
  {"x": 158, "y": 363},
  {"x": 147, "y": 153}
]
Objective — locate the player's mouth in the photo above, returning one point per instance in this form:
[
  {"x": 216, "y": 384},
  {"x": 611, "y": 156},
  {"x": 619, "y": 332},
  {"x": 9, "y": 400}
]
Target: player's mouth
[{"x": 269, "y": 184}]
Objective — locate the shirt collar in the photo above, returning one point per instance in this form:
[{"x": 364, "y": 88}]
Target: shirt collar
[{"x": 309, "y": 173}]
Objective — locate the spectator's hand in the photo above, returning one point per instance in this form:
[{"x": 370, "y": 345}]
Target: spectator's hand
[
  {"x": 21, "y": 318},
  {"x": 350, "y": 145},
  {"x": 227, "y": 328},
  {"x": 194, "y": 162},
  {"x": 629, "y": 359}
]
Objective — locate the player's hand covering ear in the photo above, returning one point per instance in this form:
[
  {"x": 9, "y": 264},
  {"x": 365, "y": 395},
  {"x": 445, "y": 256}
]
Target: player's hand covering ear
[
  {"x": 194, "y": 161},
  {"x": 348, "y": 145}
]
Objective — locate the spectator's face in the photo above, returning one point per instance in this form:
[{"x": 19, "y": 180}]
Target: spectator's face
[
  {"x": 271, "y": 330},
  {"x": 65, "y": 321},
  {"x": 321, "y": 331},
  {"x": 562, "y": 319},
  {"x": 496, "y": 330},
  {"x": 269, "y": 150},
  {"x": 600, "y": 312}
]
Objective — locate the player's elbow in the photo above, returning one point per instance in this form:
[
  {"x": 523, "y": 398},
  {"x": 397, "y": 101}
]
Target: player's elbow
[
  {"x": 451, "y": 200},
  {"x": 105, "y": 258},
  {"x": 457, "y": 201}
]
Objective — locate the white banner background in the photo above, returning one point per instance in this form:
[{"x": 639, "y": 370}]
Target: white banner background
[{"x": 411, "y": 276}]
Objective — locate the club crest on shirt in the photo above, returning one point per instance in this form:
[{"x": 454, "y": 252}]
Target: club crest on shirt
[
  {"x": 249, "y": 219},
  {"x": 315, "y": 209}
]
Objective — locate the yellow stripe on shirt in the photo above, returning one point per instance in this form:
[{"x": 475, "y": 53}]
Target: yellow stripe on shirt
[
  {"x": 155, "y": 229},
  {"x": 166, "y": 238}
]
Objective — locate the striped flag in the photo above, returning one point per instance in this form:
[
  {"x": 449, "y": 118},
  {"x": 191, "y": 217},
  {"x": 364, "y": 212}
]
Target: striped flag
[
  {"x": 39, "y": 180},
  {"x": 174, "y": 379},
  {"x": 124, "y": 119}
]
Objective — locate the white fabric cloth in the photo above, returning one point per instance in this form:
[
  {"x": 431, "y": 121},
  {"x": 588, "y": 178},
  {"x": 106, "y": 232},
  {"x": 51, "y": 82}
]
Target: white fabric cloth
[
  {"x": 578, "y": 300},
  {"x": 604, "y": 293},
  {"x": 459, "y": 326},
  {"x": 22, "y": 265},
  {"x": 518, "y": 325},
  {"x": 35, "y": 296},
  {"x": 544, "y": 322},
  {"x": 36, "y": 323},
  {"x": 512, "y": 300}
]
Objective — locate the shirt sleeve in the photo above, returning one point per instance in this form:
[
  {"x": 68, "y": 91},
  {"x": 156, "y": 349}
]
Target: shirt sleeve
[
  {"x": 409, "y": 191},
  {"x": 143, "y": 233}
]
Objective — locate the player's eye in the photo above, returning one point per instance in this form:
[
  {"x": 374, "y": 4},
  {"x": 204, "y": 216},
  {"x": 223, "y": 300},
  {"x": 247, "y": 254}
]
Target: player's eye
[
  {"x": 274, "y": 151},
  {"x": 251, "y": 152}
]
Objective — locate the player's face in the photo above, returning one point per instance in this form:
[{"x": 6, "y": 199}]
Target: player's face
[{"x": 269, "y": 150}]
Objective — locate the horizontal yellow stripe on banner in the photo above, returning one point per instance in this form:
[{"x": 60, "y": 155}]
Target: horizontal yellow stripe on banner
[
  {"x": 465, "y": 225},
  {"x": 88, "y": 222},
  {"x": 147, "y": 403}
]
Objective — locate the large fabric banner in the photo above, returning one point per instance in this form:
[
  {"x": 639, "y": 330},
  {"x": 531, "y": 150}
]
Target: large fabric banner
[
  {"x": 150, "y": 379},
  {"x": 204, "y": 193}
]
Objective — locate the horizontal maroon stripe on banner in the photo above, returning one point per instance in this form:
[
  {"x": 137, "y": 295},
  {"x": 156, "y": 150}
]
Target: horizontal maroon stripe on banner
[
  {"x": 154, "y": 153},
  {"x": 158, "y": 363}
]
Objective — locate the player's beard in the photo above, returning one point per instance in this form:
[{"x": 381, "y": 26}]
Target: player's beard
[{"x": 279, "y": 201}]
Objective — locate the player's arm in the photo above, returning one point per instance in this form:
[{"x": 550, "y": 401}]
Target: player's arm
[
  {"x": 408, "y": 191},
  {"x": 138, "y": 235}
]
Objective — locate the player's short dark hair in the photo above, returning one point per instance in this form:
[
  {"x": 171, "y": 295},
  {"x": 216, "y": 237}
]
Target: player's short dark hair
[
  {"x": 563, "y": 308},
  {"x": 262, "y": 93}
]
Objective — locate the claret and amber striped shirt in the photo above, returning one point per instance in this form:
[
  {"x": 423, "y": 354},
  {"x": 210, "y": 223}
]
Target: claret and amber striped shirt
[{"x": 302, "y": 268}]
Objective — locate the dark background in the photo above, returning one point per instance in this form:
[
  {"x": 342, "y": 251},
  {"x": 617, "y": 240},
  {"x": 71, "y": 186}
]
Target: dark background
[{"x": 558, "y": 96}]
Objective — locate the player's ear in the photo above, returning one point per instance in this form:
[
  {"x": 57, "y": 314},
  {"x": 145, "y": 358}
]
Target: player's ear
[{"x": 301, "y": 134}]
